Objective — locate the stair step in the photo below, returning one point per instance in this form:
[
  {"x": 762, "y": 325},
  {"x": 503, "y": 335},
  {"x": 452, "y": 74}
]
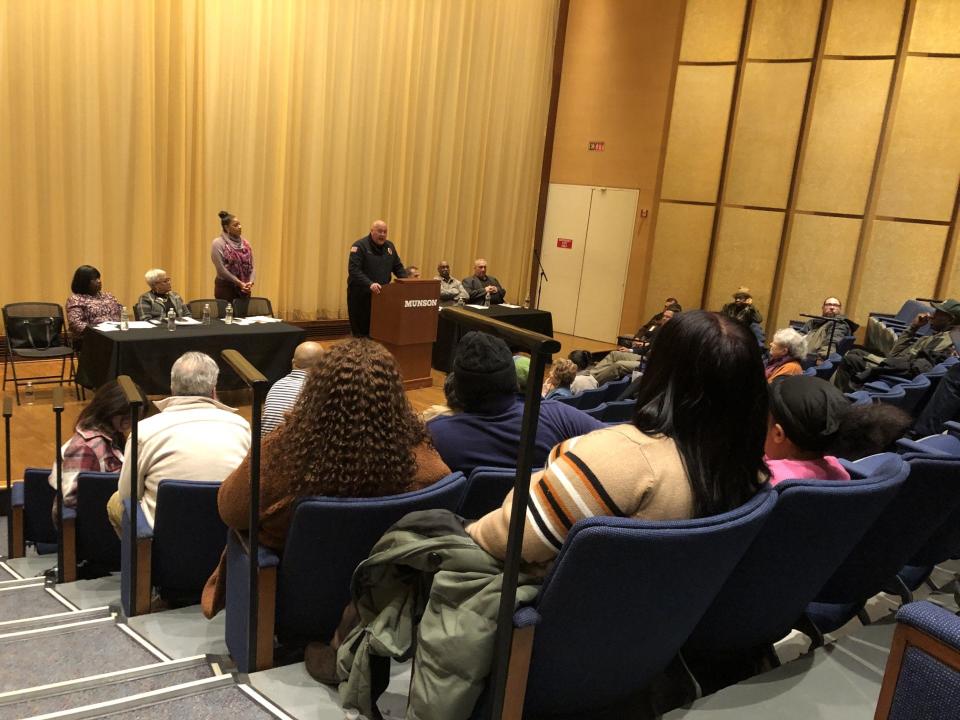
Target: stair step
[
  {"x": 29, "y": 600},
  {"x": 69, "y": 651},
  {"x": 7, "y": 573},
  {"x": 97, "y": 689},
  {"x": 42, "y": 621},
  {"x": 214, "y": 698}
]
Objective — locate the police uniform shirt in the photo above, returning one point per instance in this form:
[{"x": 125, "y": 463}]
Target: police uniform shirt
[{"x": 371, "y": 263}]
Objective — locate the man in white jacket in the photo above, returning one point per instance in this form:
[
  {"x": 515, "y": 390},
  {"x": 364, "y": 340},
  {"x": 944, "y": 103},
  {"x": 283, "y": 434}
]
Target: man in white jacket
[{"x": 194, "y": 437}]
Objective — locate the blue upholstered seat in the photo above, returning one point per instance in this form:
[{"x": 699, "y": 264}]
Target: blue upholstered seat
[{"x": 485, "y": 490}]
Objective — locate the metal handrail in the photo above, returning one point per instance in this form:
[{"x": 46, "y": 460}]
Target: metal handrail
[
  {"x": 58, "y": 434},
  {"x": 540, "y": 348},
  {"x": 7, "y": 415},
  {"x": 135, "y": 401},
  {"x": 258, "y": 384}
]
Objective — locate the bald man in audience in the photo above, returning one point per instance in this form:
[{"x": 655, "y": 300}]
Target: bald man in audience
[
  {"x": 285, "y": 391},
  {"x": 480, "y": 284}
]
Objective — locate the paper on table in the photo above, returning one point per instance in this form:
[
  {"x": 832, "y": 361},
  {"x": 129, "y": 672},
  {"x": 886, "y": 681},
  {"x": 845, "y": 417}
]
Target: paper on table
[
  {"x": 107, "y": 326},
  {"x": 253, "y": 319},
  {"x": 187, "y": 321},
  {"x": 508, "y": 305},
  {"x": 478, "y": 307}
]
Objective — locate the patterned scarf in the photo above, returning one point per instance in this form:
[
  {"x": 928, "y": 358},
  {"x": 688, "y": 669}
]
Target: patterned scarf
[{"x": 238, "y": 260}]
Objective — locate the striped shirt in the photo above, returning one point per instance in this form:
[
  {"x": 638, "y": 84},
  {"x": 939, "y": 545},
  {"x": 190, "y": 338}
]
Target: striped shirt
[
  {"x": 281, "y": 399},
  {"x": 614, "y": 472}
]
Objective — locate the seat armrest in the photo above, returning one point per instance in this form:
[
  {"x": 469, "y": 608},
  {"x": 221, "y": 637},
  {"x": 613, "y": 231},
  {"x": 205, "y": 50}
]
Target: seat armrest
[
  {"x": 266, "y": 557},
  {"x": 526, "y": 617},
  {"x": 144, "y": 531}
]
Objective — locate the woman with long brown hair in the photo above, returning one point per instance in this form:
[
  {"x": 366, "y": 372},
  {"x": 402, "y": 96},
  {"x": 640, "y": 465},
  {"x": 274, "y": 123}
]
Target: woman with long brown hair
[{"x": 353, "y": 433}]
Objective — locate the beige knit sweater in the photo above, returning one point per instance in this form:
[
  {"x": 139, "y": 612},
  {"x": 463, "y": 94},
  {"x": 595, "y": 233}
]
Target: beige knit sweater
[{"x": 616, "y": 471}]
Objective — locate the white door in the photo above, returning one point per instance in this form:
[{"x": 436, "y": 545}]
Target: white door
[{"x": 587, "y": 236}]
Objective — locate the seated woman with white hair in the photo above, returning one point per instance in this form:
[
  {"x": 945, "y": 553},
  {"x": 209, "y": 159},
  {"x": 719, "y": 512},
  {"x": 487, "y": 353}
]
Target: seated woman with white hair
[
  {"x": 154, "y": 304},
  {"x": 787, "y": 349}
]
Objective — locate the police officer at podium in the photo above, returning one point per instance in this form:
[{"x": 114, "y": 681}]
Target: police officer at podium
[{"x": 372, "y": 260}]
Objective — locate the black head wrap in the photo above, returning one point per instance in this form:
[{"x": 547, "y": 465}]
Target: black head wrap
[{"x": 808, "y": 409}]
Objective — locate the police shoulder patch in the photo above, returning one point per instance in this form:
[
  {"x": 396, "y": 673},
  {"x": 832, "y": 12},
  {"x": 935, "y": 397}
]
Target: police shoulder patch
[{"x": 354, "y": 249}]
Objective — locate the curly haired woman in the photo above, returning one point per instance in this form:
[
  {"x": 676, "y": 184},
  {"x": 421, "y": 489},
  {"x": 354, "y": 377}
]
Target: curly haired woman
[{"x": 352, "y": 433}]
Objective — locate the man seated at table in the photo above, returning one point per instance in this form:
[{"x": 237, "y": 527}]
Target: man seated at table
[
  {"x": 487, "y": 431},
  {"x": 155, "y": 303},
  {"x": 451, "y": 289},
  {"x": 285, "y": 391},
  {"x": 193, "y": 437},
  {"x": 479, "y": 284}
]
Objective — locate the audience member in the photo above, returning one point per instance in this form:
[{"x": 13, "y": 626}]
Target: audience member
[
  {"x": 521, "y": 363},
  {"x": 487, "y": 432},
  {"x": 823, "y": 336},
  {"x": 89, "y": 305},
  {"x": 562, "y": 375},
  {"x": 160, "y": 299},
  {"x": 282, "y": 397},
  {"x": 193, "y": 437},
  {"x": 584, "y": 380},
  {"x": 911, "y": 355},
  {"x": 943, "y": 405},
  {"x": 352, "y": 433},
  {"x": 479, "y": 285},
  {"x": 645, "y": 334},
  {"x": 787, "y": 349},
  {"x": 695, "y": 447},
  {"x": 742, "y": 309},
  {"x": 812, "y": 424},
  {"x": 413, "y": 272},
  {"x": 97, "y": 441},
  {"x": 451, "y": 289},
  {"x": 624, "y": 361}
]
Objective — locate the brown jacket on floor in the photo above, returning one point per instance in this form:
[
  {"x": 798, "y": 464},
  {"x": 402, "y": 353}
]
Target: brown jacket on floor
[{"x": 277, "y": 501}]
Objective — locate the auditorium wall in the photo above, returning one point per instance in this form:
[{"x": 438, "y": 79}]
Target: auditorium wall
[
  {"x": 812, "y": 149},
  {"x": 125, "y": 127}
]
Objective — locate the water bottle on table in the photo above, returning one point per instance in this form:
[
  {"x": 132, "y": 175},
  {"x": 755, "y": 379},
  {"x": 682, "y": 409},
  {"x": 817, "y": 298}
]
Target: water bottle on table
[
  {"x": 206, "y": 313},
  {"x": 124, "y": 319},
  {"x": 171, "y": 320},
  {"x": 28, "y": 394},
  {"x": 486, "y": 300},
  {"x": 228, "y": 315}
]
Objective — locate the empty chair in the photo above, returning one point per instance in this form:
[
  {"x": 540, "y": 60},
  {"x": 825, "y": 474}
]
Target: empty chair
[
  {"x": 589, "y": 398},
  {"x": 927, "y": 498},
  {"x": 259, "y": 306},
  {"x": 36, "y": 331},
  {"x": 813, "y": 527},
  {"x": 942, "y": 445},
  {"x": 859, "y": 397},
  {"x": 619, "y": 411},
  {"x": 182, "y": 549},
  {"x": 613, "y": 388},
  {"x": 304, "y": 592},
  {"x": 88, "y": 536},
  {"x": 32, "y": 502},
  {"x": 485, "y": 490},
  {"x": 907, "y": 395},
  {"x": 905, "y": 315},
  {"x": 620, "y": 601},
  {"x": 922, "y": 679},
  {"x": 218, "y": 308}
]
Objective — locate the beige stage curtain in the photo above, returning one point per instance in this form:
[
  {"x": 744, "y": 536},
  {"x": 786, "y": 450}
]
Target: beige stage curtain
[{"x": 125, "y": 126}]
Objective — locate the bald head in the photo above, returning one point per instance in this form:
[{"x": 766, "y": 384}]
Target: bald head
[
  {"x": 307, "y": 354},
  {"x": 378, "y": 232},
  {"x": 480, "y": 268}
]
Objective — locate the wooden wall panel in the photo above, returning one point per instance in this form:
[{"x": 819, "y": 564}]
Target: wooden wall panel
[
  {"x": 844, "y": 132},
  {"x": 698, "y": 126},
  {"x": 711, "y": 30},
  {"x": 679, "y": 258},
  {"x": 784, "y": 29},
  {"x": 903, "y": 261},
  {"x": 818, "y": 264},
  {"x": 923, "y": 162},
  {"x": 864, "y": 27},
  {"x": 936, "y": 27},
  {"x": 746, "y": 254},
  {"x": 765, "y": 139}
]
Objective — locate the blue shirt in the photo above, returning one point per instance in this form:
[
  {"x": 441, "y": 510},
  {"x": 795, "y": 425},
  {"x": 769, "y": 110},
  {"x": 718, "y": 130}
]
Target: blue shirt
[{"x": 491, "y": 437}]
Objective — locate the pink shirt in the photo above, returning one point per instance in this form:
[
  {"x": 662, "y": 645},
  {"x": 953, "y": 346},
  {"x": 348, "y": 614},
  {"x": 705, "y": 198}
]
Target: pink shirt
[{"x": 825, "y": 468}]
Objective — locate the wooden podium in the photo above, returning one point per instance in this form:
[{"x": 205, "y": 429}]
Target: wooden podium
[{"x": 403, "y": 318}]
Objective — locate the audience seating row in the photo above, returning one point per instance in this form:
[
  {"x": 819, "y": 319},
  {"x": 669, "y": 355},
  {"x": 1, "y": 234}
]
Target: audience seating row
[
  {"x": 909, "y": 394},
  {"x": 590, "y": 399}
]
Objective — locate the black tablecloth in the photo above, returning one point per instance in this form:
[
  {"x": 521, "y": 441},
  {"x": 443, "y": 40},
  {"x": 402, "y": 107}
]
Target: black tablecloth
[
  {"x": 147, "y": 355},
  {"x": 449, "y": 333}
]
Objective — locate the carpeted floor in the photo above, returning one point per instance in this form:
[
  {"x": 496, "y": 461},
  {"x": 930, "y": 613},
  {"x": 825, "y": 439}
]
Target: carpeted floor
[
  {"x": 225, "y": 702},
  {"x": 44, "y": 658},
  {"x": 27, "y": 602},
  {"x": 78, "y": 698}
]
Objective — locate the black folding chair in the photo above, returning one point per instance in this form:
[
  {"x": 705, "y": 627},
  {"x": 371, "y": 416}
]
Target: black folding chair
[{"x": 36, "y": 331}]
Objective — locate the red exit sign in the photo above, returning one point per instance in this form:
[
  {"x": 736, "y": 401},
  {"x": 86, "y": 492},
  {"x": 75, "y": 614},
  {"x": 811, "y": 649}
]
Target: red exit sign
[
  {"x": 565, "y": 243},
  {"x": 595, "y": 146}
]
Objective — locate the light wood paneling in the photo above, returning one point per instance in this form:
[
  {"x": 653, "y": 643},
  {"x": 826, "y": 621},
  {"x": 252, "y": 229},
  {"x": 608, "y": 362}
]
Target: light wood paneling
[
  {"x": 818, "y": 264},
  {"x": 923, "y": 162},
  {"x": 711, "y": 30},
  {"x": 784, "y": 29},
  {"x": 746, "y": 254},
  {"x": 903, "y": 261},
  {"x": 765, "y": 139},
  {"x": 679, "y": 258},
  {"x": 936, "y": 27},
  {"x": 844, "y": 133},
  {"x": 698, "y": 126},
  {"x": 864, "y": 27}
]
